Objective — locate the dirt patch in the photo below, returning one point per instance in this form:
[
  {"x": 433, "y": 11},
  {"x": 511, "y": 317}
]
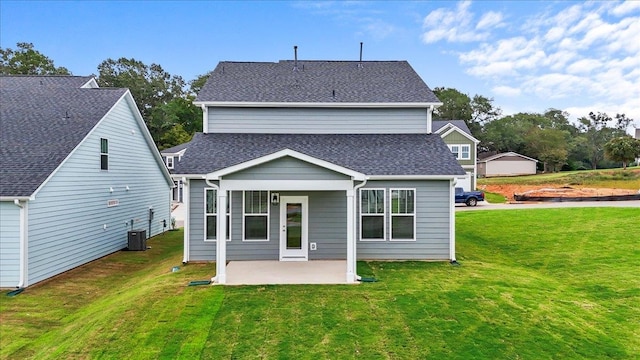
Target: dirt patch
[{"x": 552, "y": 190}]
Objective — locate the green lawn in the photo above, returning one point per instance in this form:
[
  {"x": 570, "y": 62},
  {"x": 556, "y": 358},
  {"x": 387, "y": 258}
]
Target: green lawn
[{"x": 544, "y": 283}]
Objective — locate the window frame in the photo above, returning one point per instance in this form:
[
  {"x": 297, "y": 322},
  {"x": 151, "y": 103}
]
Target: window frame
[
  {"x": 384, "y": 214},
  {"x": 245, "y": 214},
  {"x": 215, "y": 214},
  {"x": 104, "y": 154},
  {"x": 459, "y": 153},
  {"x": 414, "y": 214},
  {"x": 170, "y": 166}
]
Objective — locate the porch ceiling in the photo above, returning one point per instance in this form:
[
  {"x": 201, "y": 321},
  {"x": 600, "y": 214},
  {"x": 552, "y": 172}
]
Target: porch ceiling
[{"x": 286, "y": 272}]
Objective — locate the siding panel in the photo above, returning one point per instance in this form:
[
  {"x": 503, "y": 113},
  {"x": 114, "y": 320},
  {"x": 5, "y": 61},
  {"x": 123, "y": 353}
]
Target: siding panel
[
  {"x": 68, "y": 217},
  {"x": 317, "y": 121},
  {"x": 286, "y": 168},
  {"x": 9, "y": 244}
]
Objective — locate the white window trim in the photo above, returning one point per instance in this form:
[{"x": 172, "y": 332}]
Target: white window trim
[
  {"x": 384, "y": 215},
  {"x": 170, "y": 161},
  {"x": 244, "y": 215},
  {"x": 391, "y": 214},
  {"x": 101, "y": 154},
  {"x": 459, "y": 155},
  {"x": 216, "y": 214}
]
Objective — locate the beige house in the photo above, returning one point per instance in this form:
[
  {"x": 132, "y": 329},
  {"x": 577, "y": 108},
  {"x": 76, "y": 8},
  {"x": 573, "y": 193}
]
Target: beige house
[{"x": 507, "y": 164}]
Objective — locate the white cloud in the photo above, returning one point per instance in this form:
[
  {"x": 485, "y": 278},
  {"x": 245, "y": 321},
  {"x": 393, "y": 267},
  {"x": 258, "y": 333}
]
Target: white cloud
[
  {"x": 455, "y": 25},
  {"x": 573, "y": 55},
  {"x": 506, "y": 91},
  {"x": 488, "y": 20}
]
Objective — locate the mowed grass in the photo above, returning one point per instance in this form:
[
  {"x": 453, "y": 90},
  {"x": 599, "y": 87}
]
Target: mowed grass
[
  {"x": 607, "y": 178},
  {"x": 543, "y": 283}
]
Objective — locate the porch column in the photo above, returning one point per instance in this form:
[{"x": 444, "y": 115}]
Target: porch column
[
  {"x": 351, "y": 253},
  {"x": 221, "y": 236}
]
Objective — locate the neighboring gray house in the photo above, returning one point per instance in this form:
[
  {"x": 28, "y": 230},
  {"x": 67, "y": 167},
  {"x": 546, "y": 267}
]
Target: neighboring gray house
[
  {"x": 507, "y": 164},
  {"x": 463, "y": 145},
  {"x": 78, "y": 168},
  {"x": 309, "y": 160},
  {"x": 170, "y": 157}
]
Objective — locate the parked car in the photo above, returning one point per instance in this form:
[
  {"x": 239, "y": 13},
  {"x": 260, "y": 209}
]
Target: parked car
[{"x": 470, "y": 198}]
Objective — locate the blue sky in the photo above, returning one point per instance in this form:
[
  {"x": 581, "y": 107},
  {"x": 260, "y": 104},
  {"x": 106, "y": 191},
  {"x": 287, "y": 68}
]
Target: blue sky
[{"x": 527, "y": 55}]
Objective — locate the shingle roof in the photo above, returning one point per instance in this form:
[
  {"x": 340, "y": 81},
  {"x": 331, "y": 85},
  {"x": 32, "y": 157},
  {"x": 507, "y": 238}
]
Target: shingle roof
[
  {"x": 316, "y": 82},
  {"x": 175, "y": 149},
  {"x": 371, "y": 154},
  {"x": 44, "y": 81},
  {"x": 461, "y": 124},
  {"x": 41, "y": 125}
]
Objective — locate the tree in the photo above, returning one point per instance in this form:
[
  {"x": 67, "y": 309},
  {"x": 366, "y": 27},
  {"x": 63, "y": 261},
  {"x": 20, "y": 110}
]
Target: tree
[
  {"x": 597, "y": 133},
  {"x": 622, "y": 149},
  {"x": 25, "y": 60},
  {"x": 196, "y": 84},
  {"x": 455, "y": 105},
  {"x": 174, "y": 136},
  {"x": 151, "y": 86},
  {"x": 548, "y": 145},
  {"x": 483, "y": 111}
]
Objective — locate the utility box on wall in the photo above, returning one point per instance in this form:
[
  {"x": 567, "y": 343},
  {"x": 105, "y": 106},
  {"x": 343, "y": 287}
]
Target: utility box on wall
[{"x": 137, "y": 240}]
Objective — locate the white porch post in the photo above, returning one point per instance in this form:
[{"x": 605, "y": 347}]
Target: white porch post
[
  {"x": 452, "y": 220},
  {"x": 221, "y": 236},
  {"x": 351, "y": 253},
  {"x": 186, "y": 200}
]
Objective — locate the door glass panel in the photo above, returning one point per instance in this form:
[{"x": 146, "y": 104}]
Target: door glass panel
[{"x": 294, "y": 226}]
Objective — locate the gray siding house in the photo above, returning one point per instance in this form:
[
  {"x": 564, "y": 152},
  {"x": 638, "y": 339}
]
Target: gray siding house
[
  {"x": 310, "y": 160},
  {"x": 463, "y": 145},
  {"x": 78, "y": 169}
]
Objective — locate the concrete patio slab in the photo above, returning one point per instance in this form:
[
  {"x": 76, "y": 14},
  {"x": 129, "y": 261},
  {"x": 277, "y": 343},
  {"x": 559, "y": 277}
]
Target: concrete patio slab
[{"x": 286, "y": 272}]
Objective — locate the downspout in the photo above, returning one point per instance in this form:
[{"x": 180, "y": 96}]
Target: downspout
[
  {"x": 355, "y": 228},
  {"x": 429, "y": 119},
  {"x": 23, "y": 246},
  {"x": 186, "y": 194},
  {"x": 452, "y": 221}
]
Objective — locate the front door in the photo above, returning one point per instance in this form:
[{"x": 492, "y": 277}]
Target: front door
[{"x": 293, "y": 228}]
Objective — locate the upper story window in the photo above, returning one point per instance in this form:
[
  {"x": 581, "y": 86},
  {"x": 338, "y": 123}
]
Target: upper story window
[
  {"x": 462, "y": 152},
  {"x": 169, "y": 162},
  {"x": 104, "y": 154}
]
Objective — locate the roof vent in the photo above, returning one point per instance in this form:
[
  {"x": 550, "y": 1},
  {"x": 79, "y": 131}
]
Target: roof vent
[
  {"x": 295, "y": 57},
  {"x": 360, "y": 63}
]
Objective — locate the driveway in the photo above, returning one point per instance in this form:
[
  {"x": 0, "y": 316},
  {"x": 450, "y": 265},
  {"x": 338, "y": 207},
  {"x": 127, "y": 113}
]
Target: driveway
[{"x": 483, "y": 205}]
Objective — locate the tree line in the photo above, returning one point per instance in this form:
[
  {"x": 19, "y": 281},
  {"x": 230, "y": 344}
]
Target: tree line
[{"x": 165, "y": 102}]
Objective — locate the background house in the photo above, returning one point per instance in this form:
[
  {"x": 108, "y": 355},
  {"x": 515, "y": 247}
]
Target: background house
[
  {"x": 317, "y": 160},
  {"x": 507, "y": 164},
  {"x": 78, "y": 169},
  {"x": 463, "y": 145},
  {"x": 170, "y": 157}
]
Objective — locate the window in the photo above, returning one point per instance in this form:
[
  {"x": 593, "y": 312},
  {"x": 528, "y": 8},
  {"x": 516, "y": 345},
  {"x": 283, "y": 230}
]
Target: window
[
  {"x": 372, "y": 214},
  {"x": 169, "y": 162},
  {"x": 211, "y": 212},
  {"x": 104, "y": 154},
  {"x": 403, "y": 214},
  {"x": 256, "y": 216},
  {"x": 461, "y": 152}
]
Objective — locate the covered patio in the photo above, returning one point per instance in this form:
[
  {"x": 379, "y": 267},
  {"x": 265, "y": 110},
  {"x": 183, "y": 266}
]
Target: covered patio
[{"x": 286, "y": 272}]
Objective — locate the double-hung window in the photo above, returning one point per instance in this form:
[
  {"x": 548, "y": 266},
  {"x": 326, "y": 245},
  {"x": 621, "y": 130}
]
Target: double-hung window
[
  {"x": 372, "y": 214},
  {"x": 461, "y": 152},
  {"x": 211, "y": 214},
  {"x": 256, "y": 216},
  {"x": 403, "y": 214},
  {"x": 169, "y": 162},
  {"x": 104, "y": 154}
]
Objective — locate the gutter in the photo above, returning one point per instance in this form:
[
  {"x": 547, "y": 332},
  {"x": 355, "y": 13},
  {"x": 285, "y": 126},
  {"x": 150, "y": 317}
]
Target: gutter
[{"x": 23, "y": 246}]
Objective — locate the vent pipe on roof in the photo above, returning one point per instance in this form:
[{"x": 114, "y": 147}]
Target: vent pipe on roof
[
  {"x": 295, "y": 57},
  {"x": 360, "y": 64}
]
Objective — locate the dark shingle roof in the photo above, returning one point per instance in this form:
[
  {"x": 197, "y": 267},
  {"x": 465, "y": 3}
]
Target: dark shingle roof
[
  {"x": 461, "y": 124},
  {"x": 175, "y": 149},
  {"x": 316, "y": 82},
  {"x": 41, "y": 125},
  {"x": 44, "y": 81},
  {"x": 371, "y": 154}
]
